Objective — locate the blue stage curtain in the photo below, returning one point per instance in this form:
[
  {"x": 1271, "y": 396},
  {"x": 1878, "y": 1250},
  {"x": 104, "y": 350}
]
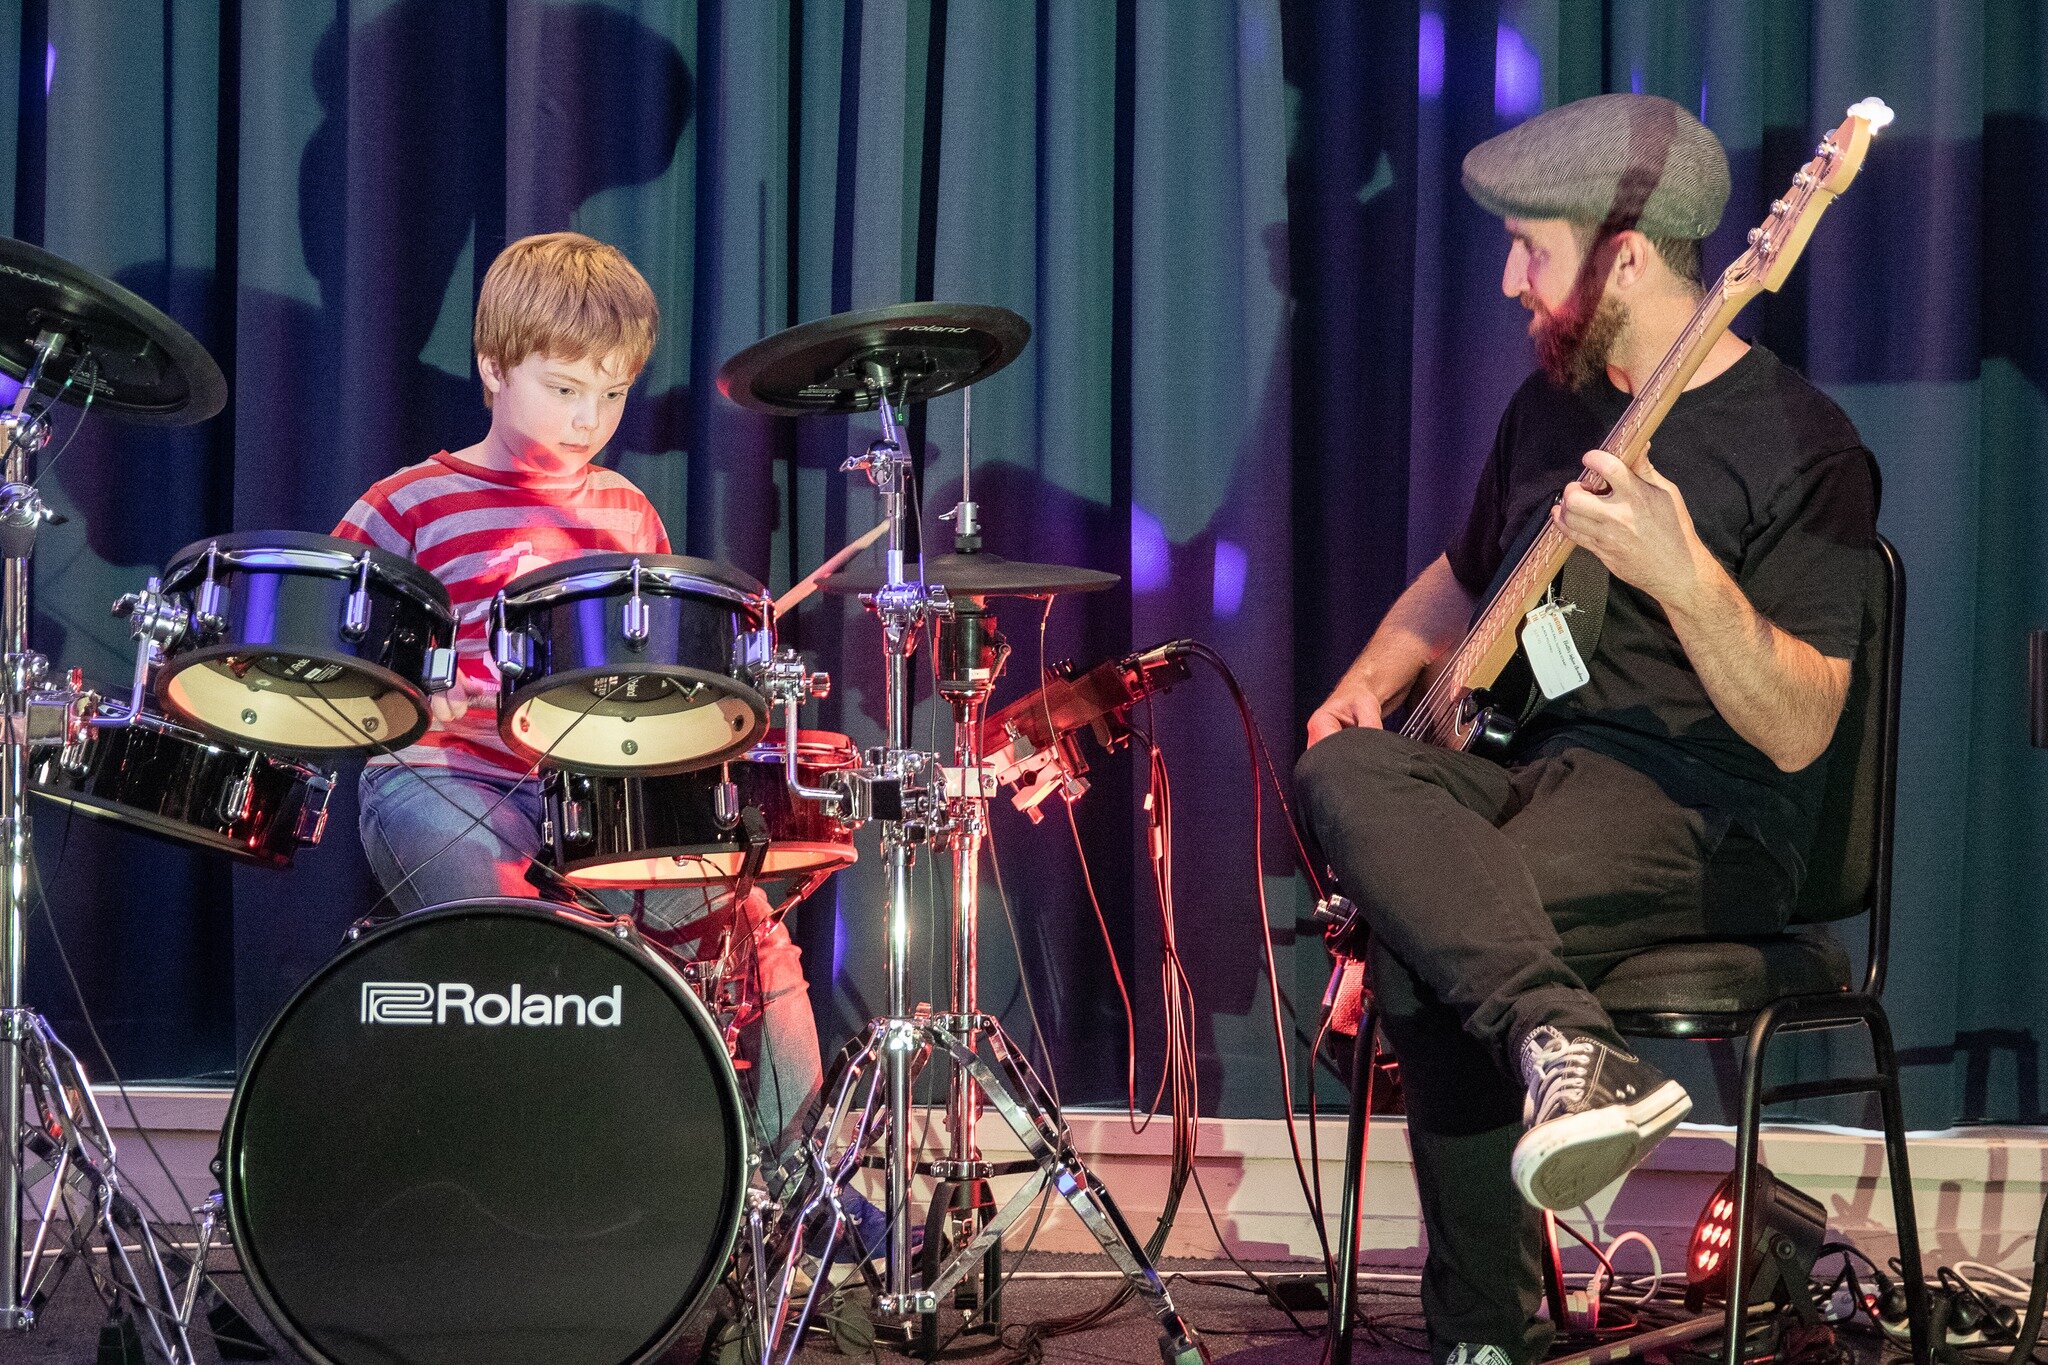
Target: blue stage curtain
[{"x": 1269, "y": 353}]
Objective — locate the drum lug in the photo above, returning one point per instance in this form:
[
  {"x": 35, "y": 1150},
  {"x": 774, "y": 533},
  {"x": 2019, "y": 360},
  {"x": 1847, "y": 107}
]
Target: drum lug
[
  {"x": 355, "y": 613},
  {"x": 725, "y": 802},
  {"x": 208, "y": 614},
  {"x": 512, "y": 649},
  {"x": 320, "y": 791},
  {"x": 755, "y": 649},
  {"x": 234, "y": 802},
  {"x": 440, "y": 669},
  {"x": 635, "y": 623},
  {"x": 575, "y": 822}
]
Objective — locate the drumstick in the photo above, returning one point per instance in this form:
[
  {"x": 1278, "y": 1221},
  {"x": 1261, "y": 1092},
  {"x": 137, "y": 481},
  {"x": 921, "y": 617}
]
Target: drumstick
[{"x": 809, "y": 583}]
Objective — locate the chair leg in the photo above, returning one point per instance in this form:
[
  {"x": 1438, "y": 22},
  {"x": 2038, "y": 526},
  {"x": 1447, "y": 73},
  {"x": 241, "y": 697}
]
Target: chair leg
[
  {"x": 1915, "y": 1282},
  {"x": 1351, "y": 1203},
  {"x": 1747, "y": 1121}
]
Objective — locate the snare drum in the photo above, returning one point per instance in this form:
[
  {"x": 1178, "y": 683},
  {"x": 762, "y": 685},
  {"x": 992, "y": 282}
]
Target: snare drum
[
  {"x": 305, "y": 643},
  {"x": 156, "y": 775},
  {"x": 631, "y": 664},
  {"x": 670, "y": 831},
  {"x": 491, "y": 1131}
]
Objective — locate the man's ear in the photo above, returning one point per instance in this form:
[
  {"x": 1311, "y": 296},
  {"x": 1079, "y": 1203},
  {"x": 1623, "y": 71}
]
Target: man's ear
[{"x": 1633, "y": 256}]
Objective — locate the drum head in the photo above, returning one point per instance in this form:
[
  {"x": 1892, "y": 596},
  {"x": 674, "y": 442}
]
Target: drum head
[
  {"x": 487, "y": 1132},
  {"x": 301, "y": 702},
  {"x": 708, "y": 866},
  {"x": 663, "y": 719}
]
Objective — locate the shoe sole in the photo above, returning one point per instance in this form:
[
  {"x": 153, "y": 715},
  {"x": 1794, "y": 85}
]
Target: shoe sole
[{"x": 1565, "y": 1162}]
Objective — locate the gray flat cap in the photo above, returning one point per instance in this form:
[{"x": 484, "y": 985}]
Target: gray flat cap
[{"x": 1626, "y": 161}]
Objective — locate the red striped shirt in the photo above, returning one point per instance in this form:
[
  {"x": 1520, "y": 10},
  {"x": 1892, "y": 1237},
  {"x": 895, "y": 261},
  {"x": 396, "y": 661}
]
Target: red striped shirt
[{"x": 476, "y": 530}]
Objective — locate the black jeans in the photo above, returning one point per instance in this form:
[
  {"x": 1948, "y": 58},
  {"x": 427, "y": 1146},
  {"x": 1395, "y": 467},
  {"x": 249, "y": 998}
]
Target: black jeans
[{"x": 1496, "y": 897}]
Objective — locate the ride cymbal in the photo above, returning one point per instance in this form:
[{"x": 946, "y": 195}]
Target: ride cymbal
[
  {"x": 144, "y": 367},
  {"x": 835, "y": 365},
  {"x": 984, "y": 575}
]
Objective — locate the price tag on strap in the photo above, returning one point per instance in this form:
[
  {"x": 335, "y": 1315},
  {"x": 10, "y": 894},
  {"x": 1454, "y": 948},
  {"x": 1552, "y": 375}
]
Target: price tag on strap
[{"x": 1553, "y": 657}]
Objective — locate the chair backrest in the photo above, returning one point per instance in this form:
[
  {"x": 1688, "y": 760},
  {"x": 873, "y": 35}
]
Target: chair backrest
[{"x": 1849, "y": 869}]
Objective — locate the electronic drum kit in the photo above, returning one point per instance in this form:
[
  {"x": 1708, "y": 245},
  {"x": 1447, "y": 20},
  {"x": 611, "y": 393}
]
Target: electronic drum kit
[{"x": 512, "y": 1130}]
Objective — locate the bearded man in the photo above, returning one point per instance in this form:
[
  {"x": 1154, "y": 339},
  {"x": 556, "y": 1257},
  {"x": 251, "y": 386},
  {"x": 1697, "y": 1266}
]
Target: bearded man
[{"x": 1673, "y": 794}]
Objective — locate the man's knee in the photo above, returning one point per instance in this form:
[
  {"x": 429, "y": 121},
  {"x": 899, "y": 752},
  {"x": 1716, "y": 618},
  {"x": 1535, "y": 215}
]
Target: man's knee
[{"x": 1339, "y": 764}]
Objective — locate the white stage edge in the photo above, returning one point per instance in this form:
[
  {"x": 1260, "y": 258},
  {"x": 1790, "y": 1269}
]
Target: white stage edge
[{"x": 1978, "y": 1191}]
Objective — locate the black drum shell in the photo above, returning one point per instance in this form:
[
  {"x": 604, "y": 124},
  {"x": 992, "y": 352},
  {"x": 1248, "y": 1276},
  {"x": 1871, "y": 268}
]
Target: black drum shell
[
  {"x": 161, "y": 778},
  {"x": 663, "y": 831},
  {"x": 462, "y": 1193},
  {"x": 298, "y": 612},
  {"x": 576, "y": 639}
]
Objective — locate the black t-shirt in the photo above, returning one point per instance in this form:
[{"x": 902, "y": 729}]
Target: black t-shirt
[{"x": 1784, "y": 494}]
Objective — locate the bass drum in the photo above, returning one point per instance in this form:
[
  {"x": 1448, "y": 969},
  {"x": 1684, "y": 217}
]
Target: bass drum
[{"x": 494, "y": 1132}]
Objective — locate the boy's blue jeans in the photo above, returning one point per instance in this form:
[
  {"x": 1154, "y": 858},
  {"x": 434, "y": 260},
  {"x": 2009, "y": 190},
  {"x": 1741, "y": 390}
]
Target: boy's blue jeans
[{"x": 433, "y": 825}]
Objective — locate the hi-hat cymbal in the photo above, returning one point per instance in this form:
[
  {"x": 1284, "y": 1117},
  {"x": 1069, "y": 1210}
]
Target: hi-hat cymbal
[
  {"x": 145, "y": 367},
  {"x": 926, "y": 349},
  {"x": 984, "y": 575}
]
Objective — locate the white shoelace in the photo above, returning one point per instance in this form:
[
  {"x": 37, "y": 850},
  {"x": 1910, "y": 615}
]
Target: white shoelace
[{"x": 1563, "y": 1070}]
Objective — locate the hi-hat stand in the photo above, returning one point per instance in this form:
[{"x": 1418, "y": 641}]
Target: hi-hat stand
[
  {"x": 867, "y": 1098},
  {"x": 59, "y": 1153},
  {"x": 58, "y": 322}
]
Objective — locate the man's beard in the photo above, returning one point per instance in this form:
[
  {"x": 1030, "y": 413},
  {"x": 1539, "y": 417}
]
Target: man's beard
[{"x": 1573, "y": 347}]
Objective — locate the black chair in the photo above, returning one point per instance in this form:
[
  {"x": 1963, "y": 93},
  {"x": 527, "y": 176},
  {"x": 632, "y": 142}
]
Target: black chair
[{"x": 1798, "y": 981}]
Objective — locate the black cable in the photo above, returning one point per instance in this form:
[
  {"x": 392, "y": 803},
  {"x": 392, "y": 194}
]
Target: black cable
[{"x": 1254, "y": 748}]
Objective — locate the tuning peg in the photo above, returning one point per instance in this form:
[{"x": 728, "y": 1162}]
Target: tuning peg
[{"x": 1873, "y": 111}]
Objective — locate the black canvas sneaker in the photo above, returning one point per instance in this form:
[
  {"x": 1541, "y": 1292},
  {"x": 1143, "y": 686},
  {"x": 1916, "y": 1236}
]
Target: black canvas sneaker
[
  {"x": 1466, "y": 1353},
  {"x": 1592, "y": 1113}
]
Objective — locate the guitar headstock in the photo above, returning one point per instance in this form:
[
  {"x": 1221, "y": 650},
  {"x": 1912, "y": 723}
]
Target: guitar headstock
[{"x": 1775, "y": 244}]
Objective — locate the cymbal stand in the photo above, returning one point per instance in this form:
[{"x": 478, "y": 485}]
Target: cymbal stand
[
  {"x": 867, "y": 1095},
  {"x": 60, "y": 1146}
]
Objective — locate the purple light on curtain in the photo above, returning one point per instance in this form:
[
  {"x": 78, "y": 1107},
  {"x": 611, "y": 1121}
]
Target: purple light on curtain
[
  {"x": 49, "y": 68},
  {"x": 1151, "y": 558},
  {"x": 1429, "y": 56},
  {"x": 1635, "y": 80},
  {"x": 1226, "y": 589},
  {"x": 1703, "y": 101},
  {"x": 838, "y": 937},
  {"x": 1517, "y": 74}
]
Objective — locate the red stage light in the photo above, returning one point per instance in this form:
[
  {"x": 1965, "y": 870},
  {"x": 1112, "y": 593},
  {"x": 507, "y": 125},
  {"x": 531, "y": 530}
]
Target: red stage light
[{"x": 1786, "y": 1229}]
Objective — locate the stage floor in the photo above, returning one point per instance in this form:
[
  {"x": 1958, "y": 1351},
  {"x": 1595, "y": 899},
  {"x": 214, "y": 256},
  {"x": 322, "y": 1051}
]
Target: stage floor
[{"x": 1239, "y": 1326}]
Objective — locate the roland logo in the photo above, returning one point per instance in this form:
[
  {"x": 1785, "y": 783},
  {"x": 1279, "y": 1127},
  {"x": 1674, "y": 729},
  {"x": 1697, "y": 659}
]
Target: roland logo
[{"x": 442, "y": 1002}]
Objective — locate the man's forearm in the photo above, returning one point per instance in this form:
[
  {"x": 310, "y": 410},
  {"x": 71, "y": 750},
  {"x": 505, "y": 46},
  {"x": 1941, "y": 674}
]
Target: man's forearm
[
  {"x": 1776, "y": 691},
  {"x": 1424, "y": 621}
]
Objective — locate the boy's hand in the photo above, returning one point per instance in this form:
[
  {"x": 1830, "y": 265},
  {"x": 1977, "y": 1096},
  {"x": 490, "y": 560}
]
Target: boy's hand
[{"x": 451, "y": 705}]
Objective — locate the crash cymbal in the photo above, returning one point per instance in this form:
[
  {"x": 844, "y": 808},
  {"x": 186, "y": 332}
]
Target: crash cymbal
[
  {"x": 144, "y": 367},
  {"x": 826, "y": 366},
  {"x": 984, "y": 575}
]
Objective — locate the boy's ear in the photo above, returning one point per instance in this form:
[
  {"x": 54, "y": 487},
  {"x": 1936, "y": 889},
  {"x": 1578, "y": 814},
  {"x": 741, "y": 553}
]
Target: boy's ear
[{"x": 493, "y": 377}]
